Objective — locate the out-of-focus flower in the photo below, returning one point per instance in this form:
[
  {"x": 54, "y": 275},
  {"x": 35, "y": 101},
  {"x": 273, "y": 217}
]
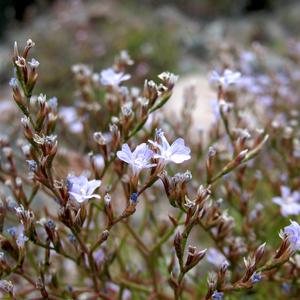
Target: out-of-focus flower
[
  {"x": 81, "y": 189},
  {"x": 6, "y": 286},
  {"x": 18, "y": 234},
  {"x": 226, "y": 79},
  {"x": 217, "y": 295},
  {"x": 293, "y": 233},
  {"x": 286, "y": 287},
  {"x": 215, "y": 257},
  {"x": 177, "y": 152},
  {"x": 99, "y": 161},
  {"x": 99, "y": 256},
  {"x": 289, "y": 201},
  {"x": 53, "y": 102},
  {"x": 112, "y": 78},
  {"x": 139, "y": 159},
  {"x": 13, "y": 82},
  {"x": 70, "y": 118},
  {"x": 256, "y": 277},
  {"x": 134, "y": 197}
]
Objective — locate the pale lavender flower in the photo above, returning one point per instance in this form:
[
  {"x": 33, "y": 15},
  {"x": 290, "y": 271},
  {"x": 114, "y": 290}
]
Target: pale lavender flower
[
  {"x": 70, "y": 118},
  {"x": 6, "y": 286},
  {"x": 215, "y": 257},
  {"x": 99, "y": 161},
  {"x": 13, "y": 82},
  {"x": 81, "y": 189},
  {"x": 99, "y": 257},
  {"x": 177, "y": 152},
  {"x": 293, "y": 233},
  {"x": 18, "y": 234},
  {"x": 53, "y": 103},
  {"x": 289, "y": 201},
  {"x": 33, "y": 63},
  {"x": 139, "y": 159},
  {"x": 112, "y": 78},
  {"x": 226, "y": 79}
]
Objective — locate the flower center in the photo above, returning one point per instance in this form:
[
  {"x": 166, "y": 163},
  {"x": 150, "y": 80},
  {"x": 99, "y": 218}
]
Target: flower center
[
  {"x": 140, "y": 162},
  {"x": 83, "y": 191},
  {"x": 289, "y": 200}
]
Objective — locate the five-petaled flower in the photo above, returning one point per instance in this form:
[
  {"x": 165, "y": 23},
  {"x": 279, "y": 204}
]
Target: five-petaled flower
[
  {"x": 226, "y": 79},
  {"x": 177, "y": 152},
  {"x": 289, "y": 201},
  {"x": 110, "y": 77},
  {"x": 81, "y": 189},
  {"x": 293, "y": 233},
  {"x": 139, "y": 159}
]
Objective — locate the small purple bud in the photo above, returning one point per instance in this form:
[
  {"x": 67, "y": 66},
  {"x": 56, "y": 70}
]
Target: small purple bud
[
  {"x": 256, "y": 278},
  {"x": 71, "y": 238},
  {"x": 51, "y": 224},
  {"x": 134, "y": 197},
  {"x": 217, "y": 295},
  {"x": 32, "y": 165}
]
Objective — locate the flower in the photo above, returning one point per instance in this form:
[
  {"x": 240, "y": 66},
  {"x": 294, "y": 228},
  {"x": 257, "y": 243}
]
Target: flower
[
  {"x": 53, "y": 102},
  {"x": 98, "y": 161},
  {"x": 134, "y": 197},
  {"x": 33, "y": 63},
  {"x": 6, "y": 286},
  {"x": 217, "y": 295},
  {"x": 18, "y": 234},
  {"x": 13, "y": 82},
  {"x": 256, "y": 277},
  {"x": 81, "y": 189},
  {"x": 112, "y": 78},
  {"x": 139, "y": 159},
  {"x": 293, "y": 233},
  {"x": 177, "y": 152},
  {"x": 70, "y": 118},
  {"x": 289, "y": 202},
  {"x": 215, "y": 257},
  {"x": 226, "y": 79},
  {"x": 32, "y": 165}
]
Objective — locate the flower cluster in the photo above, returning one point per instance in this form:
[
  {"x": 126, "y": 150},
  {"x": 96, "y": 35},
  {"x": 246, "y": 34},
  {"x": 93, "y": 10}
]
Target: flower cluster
[{"x": 155, "y": 213}]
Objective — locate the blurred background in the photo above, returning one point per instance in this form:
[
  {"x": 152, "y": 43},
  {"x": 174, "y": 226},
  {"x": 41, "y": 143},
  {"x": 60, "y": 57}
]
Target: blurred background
[{"x": 176, "y": 35}]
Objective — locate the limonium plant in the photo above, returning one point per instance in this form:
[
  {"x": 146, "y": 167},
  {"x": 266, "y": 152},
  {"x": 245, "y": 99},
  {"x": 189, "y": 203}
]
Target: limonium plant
[{"x": 108, "y": 199}]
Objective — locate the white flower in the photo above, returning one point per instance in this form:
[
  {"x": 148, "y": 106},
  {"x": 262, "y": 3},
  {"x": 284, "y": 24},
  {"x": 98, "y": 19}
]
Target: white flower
[
  {"x": 139, "y": 159},
  {"x": 33, "y": 63},
  {"x": 70, "y": 118},
  {"x": 293, "y": 232},
  {"x": 215, "y": 257},
  {"x": 81, "y": 189},
  {"x": 177, "y": 152},
  {"x": 112, "y": 78},
  {"x": 289, "y": 202},
  {"x": 226, "y": 79}
]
